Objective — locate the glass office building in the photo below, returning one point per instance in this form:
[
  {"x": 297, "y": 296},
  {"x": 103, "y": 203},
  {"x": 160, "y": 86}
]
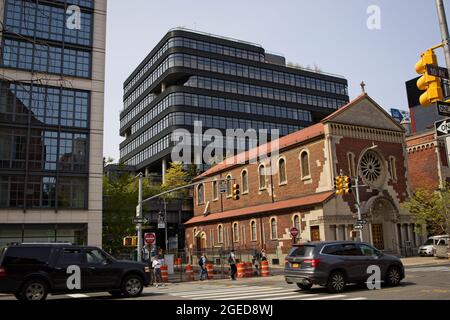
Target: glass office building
[
  {"x": 224, "y": 84},
  {"x": 51, "y": 121}
]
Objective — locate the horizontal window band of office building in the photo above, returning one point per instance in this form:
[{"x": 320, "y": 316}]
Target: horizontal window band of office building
[
  {"x": 43, "y": 192},
  {"x": 198, "y": 60},
  {"x": 172, "y": 97},
  {"x": 47, "y": 106},
  {"x": 46, "y": 20},
  {"x": 181, "y": 101},
  {"x": 43, "y": 233},
  {"x": 203, "y": 43},
  {"x": 175, "y": 119},
  {"x": 232, "y": 70},
  {"x": 214, "y": 86},
  {"x": 24, "y": 55}
]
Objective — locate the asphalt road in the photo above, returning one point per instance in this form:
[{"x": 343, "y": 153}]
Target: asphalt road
[{"x": 421, "y": 282}]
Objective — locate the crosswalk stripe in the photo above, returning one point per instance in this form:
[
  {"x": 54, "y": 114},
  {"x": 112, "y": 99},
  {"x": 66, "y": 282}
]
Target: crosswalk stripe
[
  {"x": 199, "y": 293},
  {"x": 234, "y": 294},
  {"x": 291, "y": 297},
  {"x": 358, "y": 298},
  {"x": 77, "y": 295},
  {"x": 216, "y": 288},
  {"x": 325, "y": 297},
  {"x": 268, "y": 294}
]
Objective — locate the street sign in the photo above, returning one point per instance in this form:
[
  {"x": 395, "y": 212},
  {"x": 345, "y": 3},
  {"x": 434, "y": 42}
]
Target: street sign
[
  {"x": 358, "y": 227},
  {"x": 223, "y": 187},
  {"x": 161, "y": 225},
  {"x": 361, "y": 222},
  {"x": 141, "y": 220},
  {"x": 443, "y": 108},
  {"x": 442, "y": 127},
  {"x": 150, "y": 238},
  {"x": 437, "y": 71},
  {"x": 294, "y": 232}
]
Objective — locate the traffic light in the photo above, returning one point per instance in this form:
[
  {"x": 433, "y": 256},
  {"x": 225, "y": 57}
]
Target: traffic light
[
  {"x": 347, "y": 184},
  {"x": 428, "y": 83},
  {"x": 338, "y": 185},
  {"x": 130, "y": 241},
  {"x": 235, "y": 192}
]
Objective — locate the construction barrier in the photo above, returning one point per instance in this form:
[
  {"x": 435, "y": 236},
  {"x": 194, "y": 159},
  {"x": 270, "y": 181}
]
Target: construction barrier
[
  {"x": 248, "y": 270},
  {"x": 189, "y": 273},
  {"x": 240, "y": 270},
  {"x": 210, "y": 269},
  {"x": 178, "y": 262},
  {"x": 164, "y": 274},
  {"x": 264, "y": 268}
]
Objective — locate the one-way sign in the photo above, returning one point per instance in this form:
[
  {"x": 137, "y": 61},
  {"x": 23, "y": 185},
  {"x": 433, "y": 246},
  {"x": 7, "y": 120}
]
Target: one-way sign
[
  {"x": 442, "y": 128},
  {"x": 140, "y": 220}
]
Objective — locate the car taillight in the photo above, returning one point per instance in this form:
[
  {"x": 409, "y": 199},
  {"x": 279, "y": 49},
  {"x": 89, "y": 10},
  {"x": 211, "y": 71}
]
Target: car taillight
[
  {"x": 313, "y": 263},
  {"x": 2, "y": 272}
]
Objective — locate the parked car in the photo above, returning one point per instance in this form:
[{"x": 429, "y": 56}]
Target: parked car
[
  {"x": 333, "y": 264},
  {"x": 428, "y": 248},
  {"x": 31, "y": 271}
]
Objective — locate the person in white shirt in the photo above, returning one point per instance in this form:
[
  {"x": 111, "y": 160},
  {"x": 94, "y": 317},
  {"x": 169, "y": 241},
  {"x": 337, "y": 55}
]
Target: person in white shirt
[{"x": 156, "y": 264}]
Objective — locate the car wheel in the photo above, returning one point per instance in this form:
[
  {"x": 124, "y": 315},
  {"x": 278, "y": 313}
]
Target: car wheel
[
  {"x": 115, "y": 293},
  {"x": 304, "y": 287},
  {"x": 34, "y": 290},
  {"x": 336, "y": 282},
  {"x": 393, "y": 276},
  {"x": 132, "y": 286}
]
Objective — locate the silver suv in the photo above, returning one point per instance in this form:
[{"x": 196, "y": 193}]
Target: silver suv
[{"x": 334, "y": 264}]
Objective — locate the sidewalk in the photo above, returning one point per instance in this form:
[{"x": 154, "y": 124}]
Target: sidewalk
[{"x": 418, "y": 261}]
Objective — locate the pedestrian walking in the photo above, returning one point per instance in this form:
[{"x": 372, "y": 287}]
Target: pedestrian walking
[
  {"x": 157, "y": 271},
  {"x": 263, "y": 255},
  {"x": 232, "y": 262},
  {"x": 203, "y": 271}
]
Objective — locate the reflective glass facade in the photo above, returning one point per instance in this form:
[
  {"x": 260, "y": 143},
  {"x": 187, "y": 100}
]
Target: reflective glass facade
[
  {"x": 44, "y": 125},
  {"x": 225, "y": 84}
]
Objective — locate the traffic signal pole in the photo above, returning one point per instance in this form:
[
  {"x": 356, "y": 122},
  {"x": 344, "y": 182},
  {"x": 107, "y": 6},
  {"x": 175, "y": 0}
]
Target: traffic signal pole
[
  {"x": 358, "y": 206},
  {"x": 139, "y": 215},
  {"x": 443, "y": 26}
]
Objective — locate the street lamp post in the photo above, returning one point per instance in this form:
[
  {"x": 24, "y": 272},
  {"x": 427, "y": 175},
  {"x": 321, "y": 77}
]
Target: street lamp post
[{"x": 139, "y": 215}]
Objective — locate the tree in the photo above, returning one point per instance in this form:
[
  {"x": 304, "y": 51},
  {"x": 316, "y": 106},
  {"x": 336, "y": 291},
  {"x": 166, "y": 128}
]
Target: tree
[
  {"x": 120, "y": 200},
  {"x": 431, "y": 210},
  {"x": 176, "y": 176}
]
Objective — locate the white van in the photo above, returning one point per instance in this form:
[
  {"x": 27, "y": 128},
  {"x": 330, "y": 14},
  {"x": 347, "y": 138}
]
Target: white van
[{"x": 428, "y": 248}]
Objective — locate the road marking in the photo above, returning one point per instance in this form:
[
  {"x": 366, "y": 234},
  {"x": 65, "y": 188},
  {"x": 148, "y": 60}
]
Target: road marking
[
  {"x": 221, "y": 291},
  {"x": 77, "y": 295},
  {"x": 206, "y": 290},
  {"x": 291, "y": 297},
  {"x": 233, "y": 293},
  {"x": 425, "y": 269},
  {"x": 358, "y": 298},
  {"x": 252, "y": 295},
  {"x": 325, "y": 297}
]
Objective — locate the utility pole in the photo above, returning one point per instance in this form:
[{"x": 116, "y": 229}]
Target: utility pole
[
  {"x": 139, "y": 215},
  {"x": 166, "y": 225},
  {"x": 444, "y": 30},
  {"x": 358, "y": 206}
]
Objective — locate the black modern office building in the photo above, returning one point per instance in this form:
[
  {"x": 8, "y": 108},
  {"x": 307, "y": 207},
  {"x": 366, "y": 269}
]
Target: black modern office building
[{"x": 224, "y": 83}]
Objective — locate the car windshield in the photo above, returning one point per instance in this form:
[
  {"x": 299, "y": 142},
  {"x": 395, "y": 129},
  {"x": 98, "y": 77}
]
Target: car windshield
[
  {"x": 302, "y": 251},
  {"x": 428, "y": 242}
]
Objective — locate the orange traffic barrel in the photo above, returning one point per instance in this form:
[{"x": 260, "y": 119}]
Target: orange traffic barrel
[
  {"x": 178, "y": 262},
  {"x": 264, "y": 268},
  {"x": 164, "y": 274},
  {"x": 248, "y": 270},
  {"x": 189, "y": 273},
  {"x": 240, "y": 270},
  {"x": 210, "y": 269}
]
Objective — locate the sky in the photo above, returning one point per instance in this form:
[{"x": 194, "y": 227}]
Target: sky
[{"x": 331, "y": 34}]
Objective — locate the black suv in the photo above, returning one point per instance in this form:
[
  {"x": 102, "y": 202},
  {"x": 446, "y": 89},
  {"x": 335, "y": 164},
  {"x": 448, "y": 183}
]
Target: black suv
[
  {"x": 31, "y": 271},
  {"x": 333, "y": 264}
]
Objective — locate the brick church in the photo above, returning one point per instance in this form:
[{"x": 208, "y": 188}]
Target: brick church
[{"x": 360, "y": 140}]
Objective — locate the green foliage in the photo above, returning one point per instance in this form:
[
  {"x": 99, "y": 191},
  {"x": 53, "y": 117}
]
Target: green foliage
[
  {"x": 119, "y": 207},
  {"x": 431, "y": 209},
  {"x": 177, "y": 176}
]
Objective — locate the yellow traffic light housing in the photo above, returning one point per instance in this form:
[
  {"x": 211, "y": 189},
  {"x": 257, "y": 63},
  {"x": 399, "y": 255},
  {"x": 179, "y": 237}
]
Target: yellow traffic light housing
[
  {"x": 339, "y": 185},
  {"x": 428, "y": 83},
  {"x": 347, "y": 185},
  {"x": 235, "y": 192},
  {"x": 130, "y": 241}
]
